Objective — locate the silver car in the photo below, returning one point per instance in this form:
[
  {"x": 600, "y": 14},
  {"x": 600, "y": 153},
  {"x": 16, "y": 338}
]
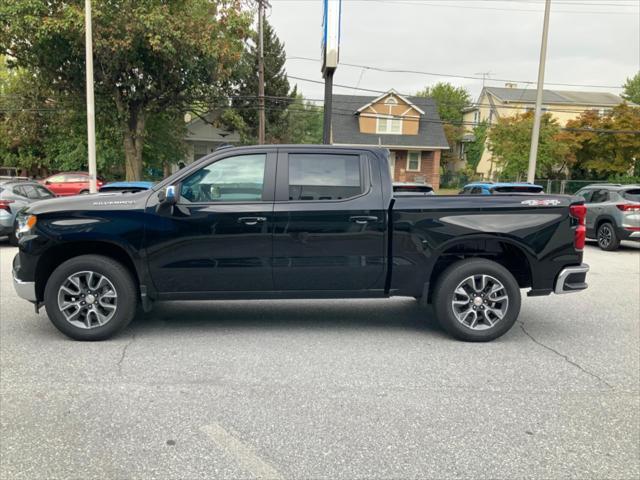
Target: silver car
[
  {"x": 14, "y": 196},
  {"x": 613, "y": 213}
]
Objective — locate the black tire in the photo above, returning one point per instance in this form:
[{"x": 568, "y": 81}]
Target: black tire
[
  {"x": 607, "y": 237},
  {"x": 122, "y": 281},
  {"x": 444, "y": 293}
]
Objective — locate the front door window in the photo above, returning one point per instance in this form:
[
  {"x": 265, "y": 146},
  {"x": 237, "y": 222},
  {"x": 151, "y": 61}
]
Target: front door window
[{"x": 233, "y": 179}]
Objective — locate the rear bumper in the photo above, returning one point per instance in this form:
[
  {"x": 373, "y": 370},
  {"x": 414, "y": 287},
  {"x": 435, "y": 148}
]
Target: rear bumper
[
  {"x": 571, "y": 279},
  {"x": 26, "y": 290}
]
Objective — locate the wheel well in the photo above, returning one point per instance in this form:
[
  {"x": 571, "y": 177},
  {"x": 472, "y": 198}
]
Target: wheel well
[
  {"x": 506, "y": 254},
  {"x": 603, "y": 220},
  {"x": 61, "y": 253}
]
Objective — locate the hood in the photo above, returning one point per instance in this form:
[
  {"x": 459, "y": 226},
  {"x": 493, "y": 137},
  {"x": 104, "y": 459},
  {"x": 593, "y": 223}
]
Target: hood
[{"x": 91, "y": 202}]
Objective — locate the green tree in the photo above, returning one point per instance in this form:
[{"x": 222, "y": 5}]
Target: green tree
[
  {"x": 304, "y": 121},
  {"x": 632, "y": 89},
  {"x": 150, "y": 55},
  {"x": 509, "y": 140},
  {"x": 475, "y": 149},
  {"x": 277, "y": 92},
  {"x": 451, "y": 101},
  {"x": 600, "y": 146}
]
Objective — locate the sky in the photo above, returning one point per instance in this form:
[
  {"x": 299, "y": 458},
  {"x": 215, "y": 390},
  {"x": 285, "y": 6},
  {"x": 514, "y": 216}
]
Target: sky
[{"x": 591, "y": 42}]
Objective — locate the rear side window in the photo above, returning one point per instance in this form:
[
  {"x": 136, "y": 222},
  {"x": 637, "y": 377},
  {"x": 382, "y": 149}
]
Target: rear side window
[
  {"x": 57, "y": 179},
  {"x": 76, "y": 178},
  {"x": 518, "y": 189},
  {"x": 633, "y": 195},
  {"x": 324, "y": 177}
]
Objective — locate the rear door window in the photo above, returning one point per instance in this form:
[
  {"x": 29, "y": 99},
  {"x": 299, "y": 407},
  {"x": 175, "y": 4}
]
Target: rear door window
[
  {"x": 476, "y": 191},
  {"x": 600, "y": 196},
  {"x": 315, "y": 177},
  {"x": 633, "y": 195}
]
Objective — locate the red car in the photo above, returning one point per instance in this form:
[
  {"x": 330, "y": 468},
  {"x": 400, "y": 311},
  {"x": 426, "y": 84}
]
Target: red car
[{"x": 69, "y": 183}]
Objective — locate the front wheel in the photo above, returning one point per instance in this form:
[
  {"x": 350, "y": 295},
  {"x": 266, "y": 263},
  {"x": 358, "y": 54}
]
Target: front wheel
[
  {"x": 476, "y": 300},
  {"x": 90, "y": 297},
  {"x": 607, "y": 238}
]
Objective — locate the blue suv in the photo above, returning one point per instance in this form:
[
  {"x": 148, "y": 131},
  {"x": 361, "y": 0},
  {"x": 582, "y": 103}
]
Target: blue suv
[{"x": 490, "y": 188}]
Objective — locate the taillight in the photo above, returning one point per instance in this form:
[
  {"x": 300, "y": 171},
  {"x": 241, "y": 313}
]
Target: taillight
[
  {"x": 579, "y": 212},
  {"x": 629, "y": 207},
  {"x": 4, "y": 205}
]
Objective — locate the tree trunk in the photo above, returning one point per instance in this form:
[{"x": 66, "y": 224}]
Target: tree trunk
[{"x": 133, "y": 129}]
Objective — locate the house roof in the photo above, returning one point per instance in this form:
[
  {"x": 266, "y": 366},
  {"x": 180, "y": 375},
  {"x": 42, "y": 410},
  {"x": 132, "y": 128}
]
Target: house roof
[
  {"x": 395, "y": 94},
  {"x": 346, "y": 129},
  {"x": 524, "y": 95}
]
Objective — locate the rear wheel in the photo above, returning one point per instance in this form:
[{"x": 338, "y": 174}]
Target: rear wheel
[
  {"x": 90, "y": 297},
  {"x": 84, "y": 192},
  {"x": 477, "y": 300},
  {"x": 607, "y": 238}
]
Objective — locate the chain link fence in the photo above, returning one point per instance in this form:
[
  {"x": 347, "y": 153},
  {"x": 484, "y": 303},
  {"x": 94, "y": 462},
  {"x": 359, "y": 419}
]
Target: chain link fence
[{"x": 452, "y": 181}]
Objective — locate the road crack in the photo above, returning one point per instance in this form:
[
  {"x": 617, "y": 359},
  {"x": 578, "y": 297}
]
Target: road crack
[
  {"x": 565, "y": 357},
  {"x": 124, "y": 353}
]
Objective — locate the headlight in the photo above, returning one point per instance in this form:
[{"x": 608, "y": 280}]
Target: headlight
[{"x": 26, "y": 223}]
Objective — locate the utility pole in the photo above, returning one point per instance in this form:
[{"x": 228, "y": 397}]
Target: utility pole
[
  {"x": 535, "y": 134},
  {"x": 332, "y": 10},
  {"x": 91, "y": 111},
  {"x": 328, "y": 106},
  {"x": 261, "y": 118}
]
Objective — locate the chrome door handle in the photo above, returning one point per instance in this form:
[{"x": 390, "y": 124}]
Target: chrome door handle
[
  {"x": 363, "y": 220},
  {"x": 252, "y": 220}
]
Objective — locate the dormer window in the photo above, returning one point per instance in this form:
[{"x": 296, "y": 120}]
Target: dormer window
[
  {"x": 389, "y": 125},
  {"x": 391, "y": 100}
]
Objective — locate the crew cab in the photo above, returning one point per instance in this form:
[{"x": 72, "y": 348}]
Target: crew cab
[{"x": 295, "y": 222}]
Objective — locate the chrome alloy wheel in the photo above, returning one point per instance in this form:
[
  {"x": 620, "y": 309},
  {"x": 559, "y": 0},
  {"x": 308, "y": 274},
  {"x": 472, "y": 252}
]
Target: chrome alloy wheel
[
  {"x": 479, "y": 302},
  {"x": 87, "y": 299},
  {"x": 605, "y": 236}
]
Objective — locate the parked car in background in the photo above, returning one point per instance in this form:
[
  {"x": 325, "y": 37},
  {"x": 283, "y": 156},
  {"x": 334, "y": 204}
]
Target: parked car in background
[
  {"x": 16, "y": 194},
  {"x": 613, "y": 213},
  {"x": 69, "y": 183},
  {"x": 125, "y": 187},
  {"x": 412, "y": 189},
  {"x": 490, "y": 188}
]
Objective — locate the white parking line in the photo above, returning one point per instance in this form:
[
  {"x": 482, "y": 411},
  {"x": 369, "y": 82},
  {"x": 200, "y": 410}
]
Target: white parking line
[{"x": 243, "y": 454}]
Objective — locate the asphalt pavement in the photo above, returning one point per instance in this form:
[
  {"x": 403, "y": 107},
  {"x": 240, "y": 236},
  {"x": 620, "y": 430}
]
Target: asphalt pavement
[{"x": 328, "y": 389}]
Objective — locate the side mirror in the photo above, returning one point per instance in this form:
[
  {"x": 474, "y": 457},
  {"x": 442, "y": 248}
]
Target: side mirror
[
  {"x": 169, "y": 196},
  {"x": 47, "y": 182}
]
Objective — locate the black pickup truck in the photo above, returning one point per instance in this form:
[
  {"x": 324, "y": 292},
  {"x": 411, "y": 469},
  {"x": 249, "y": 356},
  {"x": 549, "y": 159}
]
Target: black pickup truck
[{"x": 295, "y": 222}]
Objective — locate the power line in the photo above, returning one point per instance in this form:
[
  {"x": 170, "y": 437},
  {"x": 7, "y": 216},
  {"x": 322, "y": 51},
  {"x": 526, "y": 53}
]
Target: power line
[
  {"x": 430, "y": 3},
  {"x": 453, "y": 75}
]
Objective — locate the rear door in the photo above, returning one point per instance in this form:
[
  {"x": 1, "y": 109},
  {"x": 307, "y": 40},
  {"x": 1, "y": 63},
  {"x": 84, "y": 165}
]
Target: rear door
[
  {"x": 330, "y": 222},
  {"x": 595, "y": 208}
]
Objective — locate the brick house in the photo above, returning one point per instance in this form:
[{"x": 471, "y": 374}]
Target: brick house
[{"x": 408, "y": 126}]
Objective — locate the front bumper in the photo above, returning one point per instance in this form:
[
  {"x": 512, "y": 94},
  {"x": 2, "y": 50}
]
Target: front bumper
[
  {"x": 572, "y": 279},
  {"x": 26, "y": 290}
]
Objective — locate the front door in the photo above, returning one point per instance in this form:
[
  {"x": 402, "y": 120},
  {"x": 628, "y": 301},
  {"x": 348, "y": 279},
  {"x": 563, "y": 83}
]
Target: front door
[
  {"x": 218, "y": 237},
  {"x": 329, "y": 231}
]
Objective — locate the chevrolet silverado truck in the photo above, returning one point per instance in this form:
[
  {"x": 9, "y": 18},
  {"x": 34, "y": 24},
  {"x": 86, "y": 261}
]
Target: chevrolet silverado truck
[{"x": 282, "y": 221}]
